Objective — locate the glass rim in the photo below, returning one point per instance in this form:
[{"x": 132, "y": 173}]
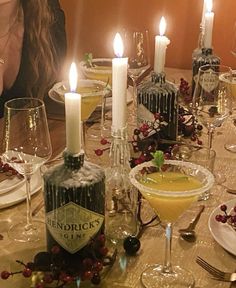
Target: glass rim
[
  {"x": 24, "y": 99},
  {"x": 227, "y": 68},
  {"x": 94, "y": 70},
  {"x": 103, "y": 91},
  {"x": 172, "y": 194}
]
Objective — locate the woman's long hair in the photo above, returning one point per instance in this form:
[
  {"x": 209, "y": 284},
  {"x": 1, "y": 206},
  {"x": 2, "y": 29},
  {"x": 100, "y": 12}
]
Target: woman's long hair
[{"x": 42, "y": 54}]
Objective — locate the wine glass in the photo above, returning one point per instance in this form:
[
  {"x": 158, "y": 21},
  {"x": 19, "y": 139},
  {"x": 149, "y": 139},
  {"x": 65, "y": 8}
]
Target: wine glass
[
  {"x": 170, "y": 192},
  {"x": 229, "y": 145},
  {"x": 233, "y": 48},
  {"x": 212, "y": 101},
  {"x": 26, "y": 147},
  {"x": 136, "y": 45}
]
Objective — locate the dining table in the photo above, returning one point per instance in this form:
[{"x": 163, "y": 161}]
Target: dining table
[{"x": 207, "y": 244}]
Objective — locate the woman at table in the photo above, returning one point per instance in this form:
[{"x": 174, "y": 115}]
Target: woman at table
[{"x": 32, "y": 47}]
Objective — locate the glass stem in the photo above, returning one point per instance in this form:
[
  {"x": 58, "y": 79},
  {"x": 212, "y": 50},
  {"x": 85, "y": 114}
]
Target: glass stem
[
  {"x": 210, "y": 137},
  {"x": 28, "y": 202},
  {"x": 167, "y": 268},
  {"x": 103, "y": 115}
]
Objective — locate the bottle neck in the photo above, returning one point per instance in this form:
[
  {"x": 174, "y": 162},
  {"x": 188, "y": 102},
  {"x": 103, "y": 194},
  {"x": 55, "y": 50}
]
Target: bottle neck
[
  {"x": 73, "y": 161},
  {"x": 158, "y": 77},
  {"x": 120, "y": 149},
  {"x": 207, "y": 51}
]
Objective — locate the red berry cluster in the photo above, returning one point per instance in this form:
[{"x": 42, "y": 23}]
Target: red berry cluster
[
  {"x": 227, "y": 217},
  {"x": 188, "y": 126},
  {"x": 51, "y": 268},
  {"x": 8, "y": 170},
  {"x": 185, "y": 91}
]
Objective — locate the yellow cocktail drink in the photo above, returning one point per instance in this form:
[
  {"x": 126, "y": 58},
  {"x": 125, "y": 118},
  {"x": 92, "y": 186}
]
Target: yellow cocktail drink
[
  {"x": 170, "y": 193},
  {"x": 169, "y": 206},
  {"x": 90, "y": 99},
  {"x": 101, "y": 70}
]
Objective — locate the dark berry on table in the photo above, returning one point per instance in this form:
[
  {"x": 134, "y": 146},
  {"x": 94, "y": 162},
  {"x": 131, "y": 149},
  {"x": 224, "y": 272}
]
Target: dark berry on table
[
  {"x": 223, "y": 207},
  {"x": 188, "y": 130},
  {"x": 224, "y": 219},
  {"x": 218, "y": 218},
  {"x": 199, "y": 127},
  {"x": 103, "y": 141},
  {"x": 136, "y": 131},
  {"x": 131, "y": 245},
  {"x": 96, "y": 279},
  {"x": 55, "y": 249},
  {"x": 5, "y": 275},
  {"x": 199, "y": 142},
  {"x": 48, "y": 278},
  {"x": 27, "y": 272},
  {"x": 99, "y": 152},
  {"x": 97, "y": 266}
]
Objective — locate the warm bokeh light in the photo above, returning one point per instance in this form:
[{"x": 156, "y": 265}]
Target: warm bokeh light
[{"x": 118, "y": 45}]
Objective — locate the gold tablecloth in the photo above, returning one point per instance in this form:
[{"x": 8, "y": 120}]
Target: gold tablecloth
[{"x": 152, "y": 241}]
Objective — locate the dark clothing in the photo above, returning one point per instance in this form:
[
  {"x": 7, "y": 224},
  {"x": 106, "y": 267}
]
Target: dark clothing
[{"x": 59, "y": 38}]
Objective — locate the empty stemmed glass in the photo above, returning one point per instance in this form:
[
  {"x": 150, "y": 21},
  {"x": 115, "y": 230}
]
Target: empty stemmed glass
[
  {"x": 212, "y": 101},
  {"x": 170, "y": 193},
  {"x": 136, "y": 44},
  {"x": 26, "y": 147},
  {"x": 231, "y": 146},
  {"x": 233, "y": 48}
]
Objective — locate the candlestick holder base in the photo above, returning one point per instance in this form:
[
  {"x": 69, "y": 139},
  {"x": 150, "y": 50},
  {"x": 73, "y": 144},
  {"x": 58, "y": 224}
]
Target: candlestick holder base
[
  {"x": 158, "y": 97},
  {"x": 121, "y": 196}
]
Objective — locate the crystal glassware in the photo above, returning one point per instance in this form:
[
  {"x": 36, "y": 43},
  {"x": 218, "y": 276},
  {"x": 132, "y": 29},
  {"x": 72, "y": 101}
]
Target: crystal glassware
[
  {"x": 231, "y": 146},
  {"x": 212, "y": 101},
  {"x": 137, "y": 50},
  {"x": 26, "y": 147},
  {"x": 170, "y": 193},
  {"x": 121, "y": 196}
]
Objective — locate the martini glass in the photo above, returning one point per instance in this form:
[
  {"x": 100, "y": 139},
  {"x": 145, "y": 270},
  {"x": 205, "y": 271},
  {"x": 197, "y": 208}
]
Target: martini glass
[
  {"x": 26, "y": 147},
  {"x": 170, "y": 193}
]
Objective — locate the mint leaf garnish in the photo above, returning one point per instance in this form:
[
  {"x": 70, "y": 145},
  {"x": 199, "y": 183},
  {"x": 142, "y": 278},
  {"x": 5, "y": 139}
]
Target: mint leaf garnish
[
  {"x": 88, "y": 58},
  {"x": 158, "y": 159}
]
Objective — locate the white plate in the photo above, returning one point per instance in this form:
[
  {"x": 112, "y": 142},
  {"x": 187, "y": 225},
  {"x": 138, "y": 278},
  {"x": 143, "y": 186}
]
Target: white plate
[
  {"x": 55, "y": 96},
  {"x": 10, "y": 184},
  {"x": 223, "y": 233},
  {"x": 18, "y": 194}
]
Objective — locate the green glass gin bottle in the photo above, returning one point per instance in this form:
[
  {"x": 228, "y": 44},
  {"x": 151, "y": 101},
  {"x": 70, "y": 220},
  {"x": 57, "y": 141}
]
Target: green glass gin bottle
[{"x": 74, "y": 195}]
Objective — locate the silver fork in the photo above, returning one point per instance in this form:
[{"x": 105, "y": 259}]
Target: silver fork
[{"x": 216, "y": 273}]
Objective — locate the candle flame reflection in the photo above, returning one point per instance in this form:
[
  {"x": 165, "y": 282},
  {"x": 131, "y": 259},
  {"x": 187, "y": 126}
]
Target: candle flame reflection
[
  {"x": 162, "y": 26},
  {"x": 118, "y": 45},
  {"x": 73, "y": 77}
]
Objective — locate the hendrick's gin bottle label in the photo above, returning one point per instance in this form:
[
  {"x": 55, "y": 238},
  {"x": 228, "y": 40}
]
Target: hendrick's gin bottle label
[
  {"x": 200, "y": 59},
  {"x": 74, "y": 195}
]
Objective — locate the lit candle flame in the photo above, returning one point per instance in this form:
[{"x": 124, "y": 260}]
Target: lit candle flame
[
  {"x": 118, "y": 45},
  {"x": 209, "y": 6},
  {"x": 162, "y": 26},
  {"x": 73, "y": 77}
]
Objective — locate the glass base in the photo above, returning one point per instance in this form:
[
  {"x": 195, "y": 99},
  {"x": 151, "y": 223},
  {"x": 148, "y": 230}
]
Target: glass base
[
  {"x": 27, "y": 233},
  {"x": 230, "y": 147},
  {"x": 154, "y": 277}
]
